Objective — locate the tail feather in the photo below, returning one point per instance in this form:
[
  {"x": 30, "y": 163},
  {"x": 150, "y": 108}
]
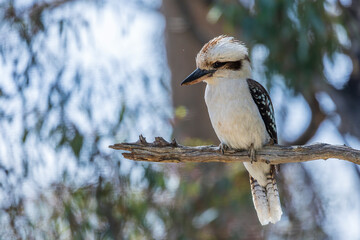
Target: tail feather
[
  {"x": 266, "y": 199},
  {"x": 260, "y": 201},
  {"x": 272, "y": 194}
]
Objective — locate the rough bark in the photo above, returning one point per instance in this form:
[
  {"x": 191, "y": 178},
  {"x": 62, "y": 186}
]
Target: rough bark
[{"x": 167, "y": 152}]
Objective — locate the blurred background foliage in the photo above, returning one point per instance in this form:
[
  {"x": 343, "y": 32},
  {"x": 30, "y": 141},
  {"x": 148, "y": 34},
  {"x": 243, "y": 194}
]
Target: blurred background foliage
[{"x": 77, "y": 76}]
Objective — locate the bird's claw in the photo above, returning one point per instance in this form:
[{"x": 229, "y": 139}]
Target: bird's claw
[
  {"x": 252, "y": 154},
  {"x": 223, "y": 147},
  {"x": 271, "y": 142}
]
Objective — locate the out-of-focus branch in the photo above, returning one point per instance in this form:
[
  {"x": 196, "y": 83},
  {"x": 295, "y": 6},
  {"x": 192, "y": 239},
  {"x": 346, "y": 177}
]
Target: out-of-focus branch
[
  {"x": 317, "y": 117},
  {"x": 191, "y": 23},
  {"x": 346, "y": 98},
  {"x": 163, "y": 151}
]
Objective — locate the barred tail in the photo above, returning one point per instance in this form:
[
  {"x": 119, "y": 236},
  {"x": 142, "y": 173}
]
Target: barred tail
[
  {"x": 273, "y": 197},
  {"x": 260, "y": 201},
  {"x": 266, "y": 199}
]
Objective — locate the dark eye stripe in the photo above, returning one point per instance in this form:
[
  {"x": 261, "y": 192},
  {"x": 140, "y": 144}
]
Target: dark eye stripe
[
  {"x": 232, "y": 65},
  {"x": 235, "y": 65},
  {"x": 219, "y": 64}
]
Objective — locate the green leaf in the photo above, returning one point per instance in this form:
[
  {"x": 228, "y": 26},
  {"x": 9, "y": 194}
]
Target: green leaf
[{"x": 77, "y": 143}]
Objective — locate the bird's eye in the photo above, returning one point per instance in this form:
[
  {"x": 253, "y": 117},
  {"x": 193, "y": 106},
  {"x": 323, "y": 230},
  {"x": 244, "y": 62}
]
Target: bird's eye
[{"x": 218, "y": 64}]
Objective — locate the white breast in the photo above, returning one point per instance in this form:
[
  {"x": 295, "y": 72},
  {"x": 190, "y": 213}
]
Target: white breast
[{"x": 234, "y": 115}]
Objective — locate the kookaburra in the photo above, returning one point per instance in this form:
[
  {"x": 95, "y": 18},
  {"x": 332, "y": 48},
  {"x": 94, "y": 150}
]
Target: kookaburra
[{"x": 241, "y": 114}]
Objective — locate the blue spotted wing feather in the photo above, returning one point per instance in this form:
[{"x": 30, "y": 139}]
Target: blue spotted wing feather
[{"x": 264, "y": 104}]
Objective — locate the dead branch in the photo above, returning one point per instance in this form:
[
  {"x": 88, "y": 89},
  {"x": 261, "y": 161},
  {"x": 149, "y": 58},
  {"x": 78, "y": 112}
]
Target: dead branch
[{"x": 171, "y": 152}]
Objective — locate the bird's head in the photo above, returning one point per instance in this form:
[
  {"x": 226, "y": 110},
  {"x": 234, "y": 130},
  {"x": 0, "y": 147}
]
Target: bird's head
[{"x": 221, "y": 58}]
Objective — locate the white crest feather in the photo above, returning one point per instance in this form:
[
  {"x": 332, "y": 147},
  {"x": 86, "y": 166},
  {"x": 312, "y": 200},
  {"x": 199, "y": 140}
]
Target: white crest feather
[{"x": 222, "y": 48}]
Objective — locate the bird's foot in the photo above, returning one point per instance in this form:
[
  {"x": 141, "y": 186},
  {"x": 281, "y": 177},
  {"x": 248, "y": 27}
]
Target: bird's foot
[
  {"x": 271, "y": 142},
  {"x": 223, "y": 148},
  {"x": 252, "y": 153}
]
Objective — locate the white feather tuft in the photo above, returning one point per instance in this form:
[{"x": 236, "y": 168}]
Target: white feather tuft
[
  {"x": 222, "y": 48},
  {"x": 274, "y": 200},
  {"x": 260, "y": 202}
]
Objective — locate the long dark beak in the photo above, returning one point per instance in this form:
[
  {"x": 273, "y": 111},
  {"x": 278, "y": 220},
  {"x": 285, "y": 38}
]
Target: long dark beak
[{"x": 197, "y": 76}]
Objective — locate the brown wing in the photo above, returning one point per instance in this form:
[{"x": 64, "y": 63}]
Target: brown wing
[{"x": 264, "y": 104}]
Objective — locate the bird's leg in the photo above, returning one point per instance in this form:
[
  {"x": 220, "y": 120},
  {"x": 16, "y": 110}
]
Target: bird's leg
[
  {"x": 271, "y": 142},
  {"x": 252, "y": 153},
  {"x": 223, "y": 147}
]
